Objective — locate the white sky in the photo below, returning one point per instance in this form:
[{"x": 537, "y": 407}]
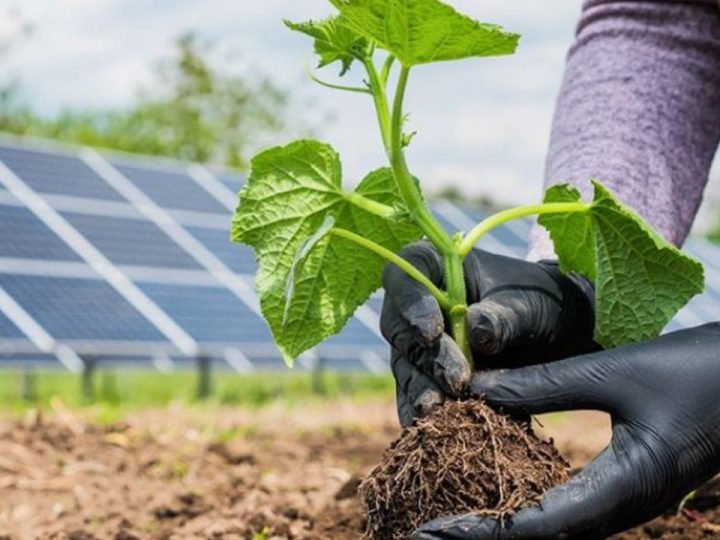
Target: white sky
[{"x": 482, "y": 125}]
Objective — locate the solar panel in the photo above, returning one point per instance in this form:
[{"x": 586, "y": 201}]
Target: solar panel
[
  {"x": 56, "y": 173},
  {"x": 449, "y": 227},
  {"x": 131, "y": 241},
  {"x": 74, "y": 309},
  {"x": 29, "y": 360},
  {"x": 238, "y": 257},
  {"x": 171, "y": 189},
  {"x": 209, "y": 314},
  {"x": 355, "y": 334},
  {"x": 232, "y": 181},
  {"x": 8, "y": 328},
  {"x": 198, "y": 295},
  {"x": 24, "y": 236}
]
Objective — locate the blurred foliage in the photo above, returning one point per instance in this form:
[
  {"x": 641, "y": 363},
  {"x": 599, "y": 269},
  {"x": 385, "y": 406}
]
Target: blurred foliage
[
  {"x": 714, "y": 235},
  {"x": 199, "y": 111},
  {"x": 453, "y": 194}
]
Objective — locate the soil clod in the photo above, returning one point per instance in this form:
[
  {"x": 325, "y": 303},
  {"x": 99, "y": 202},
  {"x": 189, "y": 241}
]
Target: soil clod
[{"x": 464, "y": 457}]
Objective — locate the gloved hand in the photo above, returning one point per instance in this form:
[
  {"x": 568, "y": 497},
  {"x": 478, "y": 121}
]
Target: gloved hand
[
  {"x": 519, "y": 312},
  {"x": 663, "y": 398}
]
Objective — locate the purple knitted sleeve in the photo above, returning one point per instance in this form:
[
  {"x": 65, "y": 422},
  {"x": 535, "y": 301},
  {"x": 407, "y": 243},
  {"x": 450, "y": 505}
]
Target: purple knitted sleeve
[{"x": 639, "y": 109}]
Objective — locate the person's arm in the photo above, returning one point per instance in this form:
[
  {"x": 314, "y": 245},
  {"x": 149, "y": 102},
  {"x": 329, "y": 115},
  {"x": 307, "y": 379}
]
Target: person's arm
[{"x": 639, "y": 109}]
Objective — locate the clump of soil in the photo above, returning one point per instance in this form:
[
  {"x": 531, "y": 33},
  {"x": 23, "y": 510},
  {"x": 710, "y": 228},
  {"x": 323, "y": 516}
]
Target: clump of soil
[{"x": 464, "y": 457}]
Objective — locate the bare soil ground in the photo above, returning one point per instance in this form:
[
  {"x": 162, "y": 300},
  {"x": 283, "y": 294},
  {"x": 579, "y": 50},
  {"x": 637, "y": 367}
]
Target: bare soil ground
[{"x": 183, "y": 473}]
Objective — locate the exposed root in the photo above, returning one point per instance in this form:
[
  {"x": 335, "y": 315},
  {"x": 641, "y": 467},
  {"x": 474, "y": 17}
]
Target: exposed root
[{"x": 464, "y": 457}]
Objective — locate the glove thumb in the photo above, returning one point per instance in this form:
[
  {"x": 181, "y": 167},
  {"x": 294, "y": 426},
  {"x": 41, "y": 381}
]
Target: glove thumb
[
  {"x": 572, "y": 384},
  {"x": 497, "y": 324}
]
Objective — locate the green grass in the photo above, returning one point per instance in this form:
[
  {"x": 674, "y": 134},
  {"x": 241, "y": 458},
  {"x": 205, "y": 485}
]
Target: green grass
[{"x": 119, "y": 391}]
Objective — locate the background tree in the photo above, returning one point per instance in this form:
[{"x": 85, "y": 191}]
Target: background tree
[{"x": 196, "y": 111}]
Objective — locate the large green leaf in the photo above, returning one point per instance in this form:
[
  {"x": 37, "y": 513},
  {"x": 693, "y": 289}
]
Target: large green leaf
[
  {"x": 641, "y": 280},
  {"x": 335, "y": 41},
  {"x": 290, "y": 194},
  {"x": 424, "y": 31}
]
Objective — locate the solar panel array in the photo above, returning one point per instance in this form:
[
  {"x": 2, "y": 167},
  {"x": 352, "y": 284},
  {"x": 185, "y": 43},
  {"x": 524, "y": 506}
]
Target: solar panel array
[{"x": 127, "y": 260}]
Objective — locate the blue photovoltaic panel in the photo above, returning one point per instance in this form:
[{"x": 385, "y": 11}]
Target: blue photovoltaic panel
[
  {"x": 237, "y": 257},
  {"x": 449, "y": 227},
  {"x": 58, "y": 174},
  {"x": 131, "y": 241},
  {"x": 71, "y": 308},
  {"x": 233, "y": 181},
  {"x": 24, "y": 236},
  {"x": 123, "y": 361},
  {"x": 209, "y": 314},
  {"x": 355, "y": 333},
  {"x": 170, "y": 189},
  {"x": 8, "y": 328},
  {"x": 25, "y": 360}
]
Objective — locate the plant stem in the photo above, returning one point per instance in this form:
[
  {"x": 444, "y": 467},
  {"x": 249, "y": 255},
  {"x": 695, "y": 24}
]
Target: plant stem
[
  {"x": 485, "y": 226},
  {"x": 454, "y": 276},
  {"x": 406, "y": 183},
  {"x": 398, "y": 261},
  {"x": 377, "y": 87},
  {"x": 454, "y": 301},
  {"x": 455, "y": 282}
]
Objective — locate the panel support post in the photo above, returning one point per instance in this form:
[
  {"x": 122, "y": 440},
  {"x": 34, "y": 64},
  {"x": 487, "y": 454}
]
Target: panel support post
[
  {"x": 204, "y": 387},
  {"x": 318, "y": 377},
  {"x": 88, "y": 373},
  {"x": 28, "y": 384}
]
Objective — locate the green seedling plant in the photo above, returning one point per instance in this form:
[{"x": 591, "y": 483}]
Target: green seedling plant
[{"x": 321, "y": 248}]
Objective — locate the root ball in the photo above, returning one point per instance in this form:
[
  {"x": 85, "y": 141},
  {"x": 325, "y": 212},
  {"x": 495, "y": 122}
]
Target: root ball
[{"x": 464, "y": 457}]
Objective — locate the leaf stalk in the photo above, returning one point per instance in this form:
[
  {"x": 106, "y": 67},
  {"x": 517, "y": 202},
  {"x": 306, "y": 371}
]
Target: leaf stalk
[
  {"x": 398, "y": 261},
  {"x": 490, "y": 223},
  {"x": 316, "y": 79}
]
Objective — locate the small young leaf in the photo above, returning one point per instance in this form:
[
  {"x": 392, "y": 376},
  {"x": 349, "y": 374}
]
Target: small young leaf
[
  {"x": 335, "y": 41},
  {"x": 641, "y": 280},
  {"x": 424, "y": 31},
  {"x": 284, "y": 207}
]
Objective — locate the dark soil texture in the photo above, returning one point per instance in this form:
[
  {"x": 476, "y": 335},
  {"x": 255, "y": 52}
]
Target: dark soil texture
[
  {"x": 463, "y": 458},
  {"x": 227, "y": 474}
]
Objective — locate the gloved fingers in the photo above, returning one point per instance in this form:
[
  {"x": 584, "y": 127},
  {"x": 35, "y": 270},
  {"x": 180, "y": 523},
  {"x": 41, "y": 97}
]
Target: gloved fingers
[
  {"x": 510, "y": 319},
  {"x": 416, "y": 393},
  {"x": 583, "y": 508},
  {"x": 442, "y": 361},
  {"x": 409, "y": 302},
  {"x": 575, "y": 383},
  {"x": 446, "y": 365}
]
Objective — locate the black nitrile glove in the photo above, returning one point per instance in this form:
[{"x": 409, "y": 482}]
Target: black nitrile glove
[
  {"x": 664, "y": 398},
  {"x": 519, "y": 312}
]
